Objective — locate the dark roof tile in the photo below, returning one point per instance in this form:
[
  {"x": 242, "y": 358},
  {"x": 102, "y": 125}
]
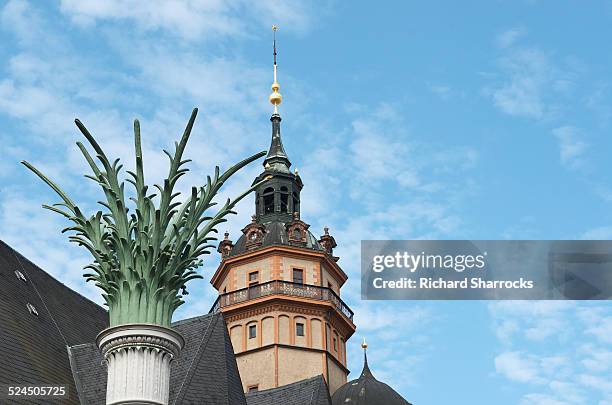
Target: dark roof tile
[
  {"x": 33, "y": 347},
  {"x": 312, "y": 391},
  {"x": 204, "y": 373}
]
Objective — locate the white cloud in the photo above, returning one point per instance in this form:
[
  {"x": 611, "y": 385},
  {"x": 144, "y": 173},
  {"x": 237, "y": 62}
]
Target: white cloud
[
  {"x": 599, "y": 233},
  {"x": 529, "y": 82},
  {"x": 528, "y": 368},
  {"x": 510, "y": 37},
  {"x": 571, "y": 146},
  {"x": 602, "y": 330},
  {"x": 523, "y": 91},
  {"x": 442, "y": 91},
  {"x": 518, "y": 367},
  {"x": 193, "y": 19},
  {"x": 562, "y": 347},
  {"x": 542, "y": 399}
]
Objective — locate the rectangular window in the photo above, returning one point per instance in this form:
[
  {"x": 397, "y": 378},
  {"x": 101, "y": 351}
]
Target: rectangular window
[
  {"x": 298, "y": 276},
  {"x": 252, "y": 331},
  {"x": 335, "y": 344},
  {"x": 299, "y": 329},
  {"x": 253, "y": 388},
  {"x": 253, "y": 278}
]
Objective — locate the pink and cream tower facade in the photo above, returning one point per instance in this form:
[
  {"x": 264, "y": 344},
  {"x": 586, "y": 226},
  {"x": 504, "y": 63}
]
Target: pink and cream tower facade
[{"x": 279, "y": 285}]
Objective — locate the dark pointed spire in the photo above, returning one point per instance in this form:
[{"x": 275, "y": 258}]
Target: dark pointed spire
[
  {"x": 277, "y": 159},
  {"x": 366, "y": 369}
]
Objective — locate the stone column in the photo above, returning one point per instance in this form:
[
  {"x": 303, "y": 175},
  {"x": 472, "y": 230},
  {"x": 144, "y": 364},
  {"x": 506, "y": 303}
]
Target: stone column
[{"x": 138, "y": 359}]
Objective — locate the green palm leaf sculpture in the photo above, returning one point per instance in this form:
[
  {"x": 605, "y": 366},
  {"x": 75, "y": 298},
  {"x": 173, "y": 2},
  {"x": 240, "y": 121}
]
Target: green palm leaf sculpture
[{"x": 143, "y": 259}]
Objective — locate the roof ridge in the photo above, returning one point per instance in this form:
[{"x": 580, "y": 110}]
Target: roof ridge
[
  {"x": 286, "y": 386},
  {"x": 193, "y": 318},
  {"x": 228, "y": 347},
  {"x": 75, "y": 374},
  {"x": 312, "y": 394},
  {"x": 191, "y": 370}
]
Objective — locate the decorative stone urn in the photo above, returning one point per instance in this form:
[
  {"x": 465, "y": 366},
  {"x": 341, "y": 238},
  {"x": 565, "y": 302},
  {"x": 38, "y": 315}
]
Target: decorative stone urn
[{"x": 138, "y": 359}]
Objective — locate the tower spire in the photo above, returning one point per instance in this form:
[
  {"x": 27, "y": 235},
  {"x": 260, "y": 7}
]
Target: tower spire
[
  {"x": 366, "y": 369},
  {"x": 277, "y": 159},
  {"x": 275, "y": 97}
]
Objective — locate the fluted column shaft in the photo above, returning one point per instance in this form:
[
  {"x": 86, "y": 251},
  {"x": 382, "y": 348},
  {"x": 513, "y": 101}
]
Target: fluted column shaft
[{"x": 138, "y": 359}]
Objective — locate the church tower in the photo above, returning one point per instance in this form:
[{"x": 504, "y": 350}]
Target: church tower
[{"x": 279, "y": 285}]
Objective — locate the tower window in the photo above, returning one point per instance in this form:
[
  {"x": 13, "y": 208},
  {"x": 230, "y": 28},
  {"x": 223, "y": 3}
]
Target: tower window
[
  {"x": 252, "y": 331},
  {"x": 253, "y": 388},
  {"x": 284, "y": 199},
  {"x": 296, "y": 203},
  {"x": 268, "y": 197},
  {"x": 335, "y": 344},
  {"x": 253, "y": 278},
  {"x": 298, "y": 276},
  {"x": 299, "y": 329}
]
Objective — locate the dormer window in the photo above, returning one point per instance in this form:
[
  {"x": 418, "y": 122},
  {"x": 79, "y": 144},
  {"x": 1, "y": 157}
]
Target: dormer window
[
  {"x": 32, "y": 309},
  {"x": 20, "y": 276},
  {"x": 254, "y": 234},
  {"x": 297, "y": 230}
]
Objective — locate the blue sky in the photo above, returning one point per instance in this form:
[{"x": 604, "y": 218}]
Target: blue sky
[{"x": 450, "y": 120}]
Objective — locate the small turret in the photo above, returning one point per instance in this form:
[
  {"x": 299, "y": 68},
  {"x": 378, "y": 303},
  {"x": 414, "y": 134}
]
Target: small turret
[{"x": 225, "y": 246}]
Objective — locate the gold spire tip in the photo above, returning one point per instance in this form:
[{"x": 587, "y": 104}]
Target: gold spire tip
[
  {"x": 275, "y": 97},
  {"x": 364, "y": 345}
]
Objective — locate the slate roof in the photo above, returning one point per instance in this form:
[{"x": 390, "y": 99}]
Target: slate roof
[
  {"x": 33, "y": 347},
  {"x": 276, "y": 234},
  {"x": 56, "y": 347},
  {"x": 312, "y": 391},
  {"x": 205, "y": 372},
  {"x": 367, "y": 390}
]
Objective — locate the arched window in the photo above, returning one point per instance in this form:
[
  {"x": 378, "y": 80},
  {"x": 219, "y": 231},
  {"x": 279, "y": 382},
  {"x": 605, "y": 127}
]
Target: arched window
[
  {"x": 296, "y": 203},
  {"x": 284, "y": 199},
  {"x": 268, "y": 199}
]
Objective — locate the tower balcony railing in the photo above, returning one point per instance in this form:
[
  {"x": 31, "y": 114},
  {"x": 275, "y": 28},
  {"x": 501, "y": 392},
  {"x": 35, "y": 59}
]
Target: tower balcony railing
[{"x": 287, "y": 288}]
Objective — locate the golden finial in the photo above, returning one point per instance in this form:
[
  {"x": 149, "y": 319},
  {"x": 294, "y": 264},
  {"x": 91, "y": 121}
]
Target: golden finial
[
  {"x": 275, "y": 97},
  {"x": 364, "y": 345}
]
